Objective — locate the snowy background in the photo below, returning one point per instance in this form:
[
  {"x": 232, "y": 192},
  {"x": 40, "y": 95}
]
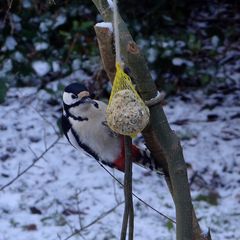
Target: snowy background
[
  {"x": 193, "y": 53},
  {"x": 66, "y": 190}
]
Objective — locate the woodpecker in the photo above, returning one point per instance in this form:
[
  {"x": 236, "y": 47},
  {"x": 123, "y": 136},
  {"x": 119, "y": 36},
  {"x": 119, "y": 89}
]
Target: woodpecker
[{"x": 84, "y": 125}]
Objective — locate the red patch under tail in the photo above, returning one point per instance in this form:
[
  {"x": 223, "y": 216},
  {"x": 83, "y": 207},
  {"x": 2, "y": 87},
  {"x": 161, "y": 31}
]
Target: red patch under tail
[{"x": 120, "y": 161}]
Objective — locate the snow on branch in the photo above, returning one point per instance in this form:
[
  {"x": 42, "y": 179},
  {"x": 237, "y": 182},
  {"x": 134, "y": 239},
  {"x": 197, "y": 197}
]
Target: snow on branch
[
  {"x": 105, "y": 25},
  {"x": 110, "y": 3}
]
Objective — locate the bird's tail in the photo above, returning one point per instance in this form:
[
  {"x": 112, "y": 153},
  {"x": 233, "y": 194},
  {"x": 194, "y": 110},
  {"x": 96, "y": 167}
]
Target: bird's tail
[
  {"x": 146, "y": 160},
  {"x": 140, "y": 156}
]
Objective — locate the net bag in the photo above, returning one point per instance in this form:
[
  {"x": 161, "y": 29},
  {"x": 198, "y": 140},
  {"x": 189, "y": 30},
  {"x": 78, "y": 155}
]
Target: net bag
[{"x": 126, "y": 112}]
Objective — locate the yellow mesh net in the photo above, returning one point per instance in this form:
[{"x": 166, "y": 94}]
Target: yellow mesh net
[
  {"x": 121, "y": 82},
  {"x": 126, "y": 112}
]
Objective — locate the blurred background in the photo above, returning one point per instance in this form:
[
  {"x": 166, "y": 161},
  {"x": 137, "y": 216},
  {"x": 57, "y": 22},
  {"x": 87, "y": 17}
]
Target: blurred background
[
  {"x": 48, "y": 190},
  {"x": 187, "y": 43}
]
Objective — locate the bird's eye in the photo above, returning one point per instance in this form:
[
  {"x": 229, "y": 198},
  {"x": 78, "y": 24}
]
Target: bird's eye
[{"x": 73, "y": 96}]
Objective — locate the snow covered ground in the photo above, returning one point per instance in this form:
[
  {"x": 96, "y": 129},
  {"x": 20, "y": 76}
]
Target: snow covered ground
[{"x": 67, "y": 190}]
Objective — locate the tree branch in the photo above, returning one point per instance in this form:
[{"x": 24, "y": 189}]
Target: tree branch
[
  {"x": 128, "y": 217},
  {"x": 20, "y": 173},
  {"x": 161, "y": 134},
  {"x": 8, "y": 10},
  {"x": 103, "y": 215},
  {"x": 138, "y": 198},
  {"x": 105, "y": 43}
]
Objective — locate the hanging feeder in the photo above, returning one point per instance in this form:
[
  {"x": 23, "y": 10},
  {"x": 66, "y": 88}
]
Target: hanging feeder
[{"x": 126, "y": 112}]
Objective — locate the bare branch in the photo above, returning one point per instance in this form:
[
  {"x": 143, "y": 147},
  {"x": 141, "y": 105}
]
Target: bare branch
[
  {"x": 47, "y": 121},
  {"x": 7, "y": 12},
  {"x": 115, "y": 190},
  {"x": 138, "y": 198},
  {"x": 19, "y": 174},
  {"x": 103, "y": 215},
  {"x": 105, "y": 40},
  {"x": 78, "y": 191},
  {"x": 128, "y": 217}
]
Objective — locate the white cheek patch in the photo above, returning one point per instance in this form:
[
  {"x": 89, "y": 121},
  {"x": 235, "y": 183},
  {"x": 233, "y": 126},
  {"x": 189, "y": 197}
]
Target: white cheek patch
[{"x": 67, "y": 98}]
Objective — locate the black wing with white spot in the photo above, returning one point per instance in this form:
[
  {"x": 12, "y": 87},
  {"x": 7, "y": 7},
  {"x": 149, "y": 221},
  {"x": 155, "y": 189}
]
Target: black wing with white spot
[{"x": 66, "y": 126}]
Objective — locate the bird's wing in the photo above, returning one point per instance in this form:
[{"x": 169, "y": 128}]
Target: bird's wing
[
  {"x": 110, "y": 132},
  {"x": 66, "y": 126}
]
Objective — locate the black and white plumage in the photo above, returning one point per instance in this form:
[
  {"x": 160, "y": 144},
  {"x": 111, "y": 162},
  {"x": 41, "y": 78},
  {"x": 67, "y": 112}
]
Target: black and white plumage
[{"x": 84, "y": 125}]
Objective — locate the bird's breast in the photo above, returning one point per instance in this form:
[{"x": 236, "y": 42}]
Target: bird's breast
[{"x": 95, "y": 135}]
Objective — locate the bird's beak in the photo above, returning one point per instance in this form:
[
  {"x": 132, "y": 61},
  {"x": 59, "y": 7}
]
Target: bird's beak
[
  {"x": 83, "y": 94},
  {"x": 85, "y": 97}
]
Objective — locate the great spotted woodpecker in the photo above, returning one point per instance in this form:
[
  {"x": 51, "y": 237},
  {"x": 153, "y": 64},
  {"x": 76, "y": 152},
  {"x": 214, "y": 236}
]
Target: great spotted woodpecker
[{"x": 84, "y": 125}]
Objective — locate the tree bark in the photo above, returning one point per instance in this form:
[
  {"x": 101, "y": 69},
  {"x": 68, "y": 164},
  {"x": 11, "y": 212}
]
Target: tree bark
[{"x": 105, "y": 43}]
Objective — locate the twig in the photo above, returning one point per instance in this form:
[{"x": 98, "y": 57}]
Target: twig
[
  {"x": 115, "y": 190},
  {"x": 126, "y": 189},
  {"x": 19, "y": 174},
  {"x": 46, "y": 120},
  {"x": 51, "y": 2},
  {"x": 35, "y": 155},
  {"x": 103, "y": 215},
  {"x": 131, "y": 220},
  {"x": 7, "y": 12},
  {"x": 138, "y": 198},
  {"x": 125, "y": 221},
  {"x": 19, "y": 168},
  {"x": 128, "y": 217},
  {"x": 128, "y": 185},
  {"x": 78, "y": 208},
  {"x": 76, "y": 36},
  {"x": 44, "y": 138},
  {"x": 59, "y": 237}
]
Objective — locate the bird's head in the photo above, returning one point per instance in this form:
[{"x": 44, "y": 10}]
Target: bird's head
[{"x": 76, "y": 94}]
